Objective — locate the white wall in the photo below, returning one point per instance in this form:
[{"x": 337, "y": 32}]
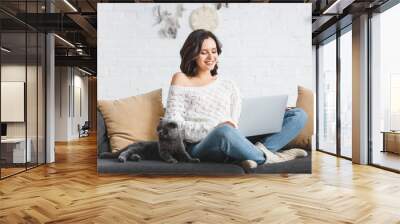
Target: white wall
[
  {"x": 67, "y": 80},
  {"x": 80, "y": 83},
  {"x": 266, "y": 48},
  {"x": 61, "y": 103}
]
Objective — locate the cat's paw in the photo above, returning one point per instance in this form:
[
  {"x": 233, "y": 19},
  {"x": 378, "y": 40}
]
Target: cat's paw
[
  {"x": 121, "y": 159},
  {"x": 172, "y": 161},
  {"x": 194, "y": 160},
  {"x": 135, "y": 157}
]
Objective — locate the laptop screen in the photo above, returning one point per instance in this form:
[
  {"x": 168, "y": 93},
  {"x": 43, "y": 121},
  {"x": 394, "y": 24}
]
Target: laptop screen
[{"x": 262, "y": 115}]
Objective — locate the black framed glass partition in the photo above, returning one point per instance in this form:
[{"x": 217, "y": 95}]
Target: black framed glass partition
[
  {"x": 22, "y": 77},
  {"x": 326, "y": 136},
  {"x": 385, "y": 88},
  {"x": 334, "y": 80},
  {"x": 13, "y": 90},
  {"x": 383, "y": 76}
]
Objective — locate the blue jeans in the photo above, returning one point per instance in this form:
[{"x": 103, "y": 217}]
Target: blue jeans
[{"x": 227, "y": 144}]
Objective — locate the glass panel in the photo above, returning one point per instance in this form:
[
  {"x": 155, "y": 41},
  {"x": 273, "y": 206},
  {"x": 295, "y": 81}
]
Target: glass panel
[
  {"x": 327, "y": 97},
  {"x": 13, "y": 86},
  {"x": 386, "y": 89},
  {"x": 23, "y": 88},
  {"x": 41, "y": 98},
  {"x": 31, "y": 100},
  {"x": 394, "y": 101},
  {"x": 346, "y": 94}
]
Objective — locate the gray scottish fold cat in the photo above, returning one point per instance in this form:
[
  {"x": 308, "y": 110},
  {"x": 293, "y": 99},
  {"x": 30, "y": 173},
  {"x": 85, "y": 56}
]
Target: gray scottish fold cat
[{"x": 169, "y": 147}]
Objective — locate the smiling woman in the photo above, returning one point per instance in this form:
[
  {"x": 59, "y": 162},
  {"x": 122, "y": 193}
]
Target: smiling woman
[
  {"x": 200, "y": 50},
  {"x": 208, "y": 115}
]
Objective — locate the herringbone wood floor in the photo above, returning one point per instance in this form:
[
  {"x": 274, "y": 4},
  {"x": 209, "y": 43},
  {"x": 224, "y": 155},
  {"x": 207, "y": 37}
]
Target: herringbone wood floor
[{"x": 71, "y": 191}]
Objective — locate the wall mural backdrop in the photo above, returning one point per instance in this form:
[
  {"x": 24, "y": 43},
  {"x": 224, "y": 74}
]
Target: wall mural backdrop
[{"x": 139, "y": 51}]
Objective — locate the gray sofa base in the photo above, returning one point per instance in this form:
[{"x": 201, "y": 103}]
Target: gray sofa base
[
  {"x": 300, "y": 165},
  {"x": 148, "y": 167},
  {"x": 162, "y": 168}
]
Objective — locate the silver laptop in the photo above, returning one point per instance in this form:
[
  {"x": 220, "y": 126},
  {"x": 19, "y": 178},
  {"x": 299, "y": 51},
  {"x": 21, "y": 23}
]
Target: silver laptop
[{"x": 262, "y": 115}]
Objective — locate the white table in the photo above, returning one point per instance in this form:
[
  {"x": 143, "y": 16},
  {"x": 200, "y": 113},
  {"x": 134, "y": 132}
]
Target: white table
[{"x": 18, "y": 147}]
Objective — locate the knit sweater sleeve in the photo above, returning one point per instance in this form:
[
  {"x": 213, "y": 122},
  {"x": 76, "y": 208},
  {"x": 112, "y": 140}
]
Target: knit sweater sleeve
[
  {"x": 192, "y": 131},
  {"x": 236, "y": 103}
]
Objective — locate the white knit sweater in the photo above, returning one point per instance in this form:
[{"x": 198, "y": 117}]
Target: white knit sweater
[{"x": 198, "y": 109}]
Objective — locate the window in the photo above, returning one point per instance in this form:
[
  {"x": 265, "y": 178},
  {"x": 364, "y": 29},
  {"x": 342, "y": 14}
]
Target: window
[
  {"x": 346, "y": 94},
  {"x": 395, "y": 101},
  {"x": 327, "y": 97},
  {"x": 385, "y": 88}
]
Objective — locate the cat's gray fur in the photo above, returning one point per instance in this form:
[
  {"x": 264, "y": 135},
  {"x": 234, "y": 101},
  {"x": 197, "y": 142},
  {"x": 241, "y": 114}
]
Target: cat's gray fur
[{"x": 169, "y": 148}]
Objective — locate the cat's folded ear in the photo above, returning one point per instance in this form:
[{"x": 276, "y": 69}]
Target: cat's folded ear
[{"x": 172, "y": 124}]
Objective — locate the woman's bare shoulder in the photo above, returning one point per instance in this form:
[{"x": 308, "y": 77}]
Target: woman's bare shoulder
[{"x": 180, "y": 79}]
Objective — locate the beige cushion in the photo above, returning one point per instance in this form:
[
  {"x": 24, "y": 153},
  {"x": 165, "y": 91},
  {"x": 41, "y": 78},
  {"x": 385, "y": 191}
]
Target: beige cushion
[
  {"x": 132, "y": 119},
  {"x": 305, "y": 101}
]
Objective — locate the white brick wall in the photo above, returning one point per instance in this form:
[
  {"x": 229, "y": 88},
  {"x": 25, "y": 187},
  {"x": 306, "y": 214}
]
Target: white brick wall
[{"x": 266, "y": 48}]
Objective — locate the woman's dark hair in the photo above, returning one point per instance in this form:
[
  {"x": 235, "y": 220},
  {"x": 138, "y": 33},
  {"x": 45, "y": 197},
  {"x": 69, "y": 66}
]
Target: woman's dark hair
[{"x": 191, "y": 50}]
